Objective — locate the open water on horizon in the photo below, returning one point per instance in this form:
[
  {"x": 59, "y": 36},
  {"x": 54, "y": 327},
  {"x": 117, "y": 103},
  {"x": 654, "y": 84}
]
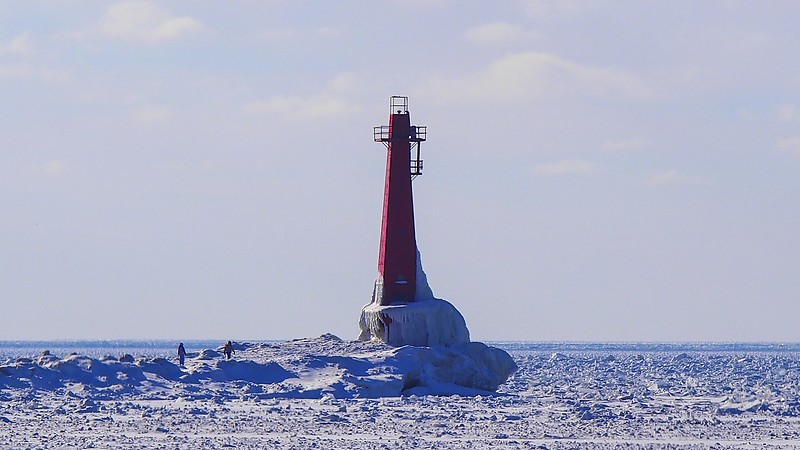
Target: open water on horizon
[
  {"x": 167, "y": 348},
  {"x": 97, "y": 348}
]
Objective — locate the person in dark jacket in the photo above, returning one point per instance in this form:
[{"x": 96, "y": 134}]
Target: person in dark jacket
[
  {"x": 181, "y": 353},
  {"x": 228, "y": 349}
]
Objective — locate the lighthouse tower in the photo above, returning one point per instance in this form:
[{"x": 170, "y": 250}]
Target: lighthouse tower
[
  {"x": 403, "y": 310},
  {"x": 397, "y": 260}
]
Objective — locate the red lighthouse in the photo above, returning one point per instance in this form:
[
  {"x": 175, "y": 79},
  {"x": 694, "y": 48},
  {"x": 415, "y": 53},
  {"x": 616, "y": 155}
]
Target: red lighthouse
[
  {"x": 403, "y": 310},
  {"x": 397, "y": 260}
]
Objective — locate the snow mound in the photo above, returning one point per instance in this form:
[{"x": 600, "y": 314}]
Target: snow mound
[
  {"x": 455, "y": 370},
  {"x": 321, "y": 367}
]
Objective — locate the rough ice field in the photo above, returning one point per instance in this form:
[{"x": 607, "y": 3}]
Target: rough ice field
[{"x": 326, "y": 393}]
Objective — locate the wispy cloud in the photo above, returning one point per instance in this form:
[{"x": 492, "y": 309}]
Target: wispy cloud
[
  {"x": 53, "y": 167},
  {"x": 544, "y": 8},
  {"x": 20, "y": 45},
  {"x": 432, "y": 4},
  {"x": 148, "y": 22},
  {"x": 333, "y": 101},
  {"x": 533, "y": 75},
  {"x": 789, "y": 113},
  {"x": 283, "y": 34},
  {"x": 565, "y": 167},
  {"x": 302, "y": 108},
  {"x": 790, "y": 146},
  {"x": 624, "y": 145},
  {"x": 499, "y": 33},
  {"x": 30, "y": 71},
  {"x": 672, "y": 177},
  {"x": 154, "y": 115},
  {"x": 275, "y": 34},
  {"x": 19, "y": 61}
]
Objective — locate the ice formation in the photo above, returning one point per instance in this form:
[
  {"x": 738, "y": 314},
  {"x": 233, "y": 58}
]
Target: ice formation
[
  {"x": 427, "y": 321},
  {"x": 328, "y": 393},
  {"x": 432, "y": 322},
  {"x": 302, "y": 368}
]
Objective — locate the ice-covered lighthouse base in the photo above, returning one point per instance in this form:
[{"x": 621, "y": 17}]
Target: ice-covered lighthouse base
[
  {"x": 428, "y": 323},
  {"x": 435, "y": 333},
  {"x": 425, "y": 322}
]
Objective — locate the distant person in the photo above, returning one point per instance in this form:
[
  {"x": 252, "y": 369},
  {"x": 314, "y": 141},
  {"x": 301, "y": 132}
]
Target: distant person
[
  {"x": 228, "y": 349},
  {"x": 181, "y": 353}
]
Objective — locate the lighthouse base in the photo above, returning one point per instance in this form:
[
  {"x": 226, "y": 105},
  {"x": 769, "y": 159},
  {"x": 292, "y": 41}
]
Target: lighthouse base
[{"x": 426, "y": 323}]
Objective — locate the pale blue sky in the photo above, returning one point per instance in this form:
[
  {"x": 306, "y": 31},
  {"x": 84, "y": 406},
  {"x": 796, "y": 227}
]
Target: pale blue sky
[{"x": 619, "y": 170}]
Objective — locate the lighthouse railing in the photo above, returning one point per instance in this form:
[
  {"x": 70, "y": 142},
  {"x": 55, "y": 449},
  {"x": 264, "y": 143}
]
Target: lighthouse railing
[
  {"x": 416, "y": 167},
  {"x": 419, "y": 133},
  {"x": 398, "y": 104},
  {"x": 380, "y": 133}
]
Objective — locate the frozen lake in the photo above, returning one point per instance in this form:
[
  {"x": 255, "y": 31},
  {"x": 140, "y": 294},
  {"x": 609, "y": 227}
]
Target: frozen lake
[
  {"x": 166, "y": 348},
  {"x": 312, "y": 394}
]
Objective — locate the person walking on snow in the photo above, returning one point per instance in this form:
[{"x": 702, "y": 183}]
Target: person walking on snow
[
  {"x": 228, "y": 349},
  {"x": 181, "y": 353}
]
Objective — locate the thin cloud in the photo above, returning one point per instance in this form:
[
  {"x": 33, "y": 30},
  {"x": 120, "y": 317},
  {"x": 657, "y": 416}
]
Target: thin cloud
[
  {"x": 498, "y": 33},
  {"x": 621, "y": 146},
  {"x": 334, "y": 101},
  {"x": 154, "y": 115},
  {"x": 302, "y": 108},
  {"x": 275, "y": 34},
  {"x": 548, "y": 8},
  {"x": 672, "y": 176},
  {"x": 533, "y": 75},
  {"x": 328, "y": 32},
  {"x": 789, "y": 114},
  {"x": 790, "y": 146},
  {"x": 566, "y": 167},
  {"x": 22, "y": 65},
  {"x": 143, "y": 21},
  {"x": 283, "y": 34},
  {"x": 30, "y": 71},
  {"x": 53, "y": 167},
  {"x": 433, "y": 4},
  {"x": 20, "y": 45}
]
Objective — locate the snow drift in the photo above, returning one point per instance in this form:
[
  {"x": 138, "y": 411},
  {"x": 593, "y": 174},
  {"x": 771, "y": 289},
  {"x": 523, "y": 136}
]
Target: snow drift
[{"x": 302, "y": 368}]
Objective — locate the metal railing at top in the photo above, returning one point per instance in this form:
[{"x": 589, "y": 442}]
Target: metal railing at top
[
  {"x": 418, "y": 133},
  {"x": 398, "y": 104}
]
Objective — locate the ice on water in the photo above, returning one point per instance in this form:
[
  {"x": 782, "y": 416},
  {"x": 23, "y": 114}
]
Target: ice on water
[{"x": 331, "y": 393}]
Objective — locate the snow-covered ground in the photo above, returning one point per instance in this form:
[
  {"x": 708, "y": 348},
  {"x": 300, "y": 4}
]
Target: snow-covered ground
[{"x": 328, "y": 393}]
